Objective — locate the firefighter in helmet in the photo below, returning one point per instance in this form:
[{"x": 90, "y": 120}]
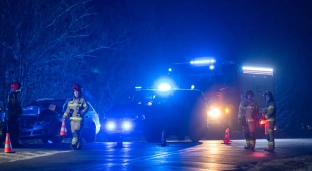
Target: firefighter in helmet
[
  {"x": 76, "y": 108},
  {"x": 247, "y": 117},
  {"x": 13, "y": 114},
  {"x": 270, "y": 116}
]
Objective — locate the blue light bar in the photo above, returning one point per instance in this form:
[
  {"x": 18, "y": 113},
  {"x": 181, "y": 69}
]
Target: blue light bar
[
  {"x": 164, "y": 87},
  {"x": 203, "y": 61}
]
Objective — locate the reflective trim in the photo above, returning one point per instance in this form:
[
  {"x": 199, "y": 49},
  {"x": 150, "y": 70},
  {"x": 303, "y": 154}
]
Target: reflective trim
[
  {"x": 74, "y": 104},
  {"x": 75, "y": 119},
  {"x": 248, "y": 107},
  {"x": 271, "y": 107},
  {"x": 65, "y": 115},
  {"x": 74, "y": 140}
]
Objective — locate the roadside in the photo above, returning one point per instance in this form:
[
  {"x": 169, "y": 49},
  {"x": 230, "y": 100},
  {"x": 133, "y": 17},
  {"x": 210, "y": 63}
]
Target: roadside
[{"x": 301, "y": 163}]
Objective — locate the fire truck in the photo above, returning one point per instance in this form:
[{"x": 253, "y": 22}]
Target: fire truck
[{"x": 223, "y": 84}]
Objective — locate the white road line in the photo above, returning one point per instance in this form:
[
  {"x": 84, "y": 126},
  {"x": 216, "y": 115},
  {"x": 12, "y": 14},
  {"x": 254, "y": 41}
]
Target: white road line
[{"x": 17, "y": 156}]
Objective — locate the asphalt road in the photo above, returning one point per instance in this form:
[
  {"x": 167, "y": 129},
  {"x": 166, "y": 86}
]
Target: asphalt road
[{"x": 179, "y": 155}]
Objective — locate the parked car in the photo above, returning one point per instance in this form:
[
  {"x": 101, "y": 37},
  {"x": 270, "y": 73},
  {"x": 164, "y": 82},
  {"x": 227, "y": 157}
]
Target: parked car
[{"x": 42, "y": 119}]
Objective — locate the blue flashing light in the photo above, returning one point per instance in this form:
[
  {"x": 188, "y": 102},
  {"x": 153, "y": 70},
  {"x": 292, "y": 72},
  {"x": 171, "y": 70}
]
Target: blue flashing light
[
  {"x": 202, "y": 61},
  {"x": 170, "y": 69},
  {"x": 192, "y": 87},
  {"x": 164, "y": 87},
  {"x": 211, "y": 67},
  {"x": 138, "y": 87}
]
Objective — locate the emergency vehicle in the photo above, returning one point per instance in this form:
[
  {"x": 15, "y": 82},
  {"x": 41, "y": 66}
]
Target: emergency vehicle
[{"x": 223, "y": 84}]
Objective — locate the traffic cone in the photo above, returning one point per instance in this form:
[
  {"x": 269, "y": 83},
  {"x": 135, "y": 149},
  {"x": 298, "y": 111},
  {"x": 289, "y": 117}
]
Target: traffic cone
[
  {"x": 119, "y": 142},
  {"x": 8, "y": 146},
  {"x": 63, "y": 131},
  {"x": 226, "y": 139},
  {"x": 163, "y": 139}
]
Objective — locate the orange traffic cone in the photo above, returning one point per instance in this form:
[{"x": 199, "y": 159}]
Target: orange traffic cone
[
  {"x": 63, "y": 129},
  {"x": 8, "y": 146},
  {"x": 163, "y": 139},
  {"x": 226, "y": 139}
]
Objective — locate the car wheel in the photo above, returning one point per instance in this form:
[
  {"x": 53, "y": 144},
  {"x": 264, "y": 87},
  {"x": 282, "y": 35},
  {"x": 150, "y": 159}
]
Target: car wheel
[
  {"x": 90, "y": 135},
  {"x": 55, "y": 139}
]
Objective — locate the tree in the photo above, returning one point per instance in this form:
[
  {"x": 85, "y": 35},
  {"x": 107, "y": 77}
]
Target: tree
[{"x": 50, "y": 46}]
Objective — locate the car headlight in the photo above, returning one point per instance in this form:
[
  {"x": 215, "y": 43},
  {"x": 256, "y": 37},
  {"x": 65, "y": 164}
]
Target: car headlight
[
  {"x": 215, "y": 112},
  {"x": 126, "y": 125},
  {"x": 111, "y": 125}
]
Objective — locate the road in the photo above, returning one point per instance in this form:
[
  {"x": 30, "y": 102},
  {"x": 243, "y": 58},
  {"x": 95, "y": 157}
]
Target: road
[{"x": 179, "y": 155}]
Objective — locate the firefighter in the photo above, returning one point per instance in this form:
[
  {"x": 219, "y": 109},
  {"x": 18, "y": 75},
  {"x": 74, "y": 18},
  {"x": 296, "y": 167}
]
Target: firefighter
[
  {"x": 13, "y": 114},
  {"x": 76, "y": 108},
  {"x": 270, "y": 116},
  {"x": 247, "y": 117}
]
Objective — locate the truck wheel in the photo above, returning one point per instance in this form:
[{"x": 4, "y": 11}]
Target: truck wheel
[{"x": 195, "y": 136}]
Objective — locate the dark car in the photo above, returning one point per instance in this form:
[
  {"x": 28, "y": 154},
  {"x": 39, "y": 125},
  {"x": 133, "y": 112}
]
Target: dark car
[
  {"x": 42, "y": 119},
  {"x": 180, "y": 112}
]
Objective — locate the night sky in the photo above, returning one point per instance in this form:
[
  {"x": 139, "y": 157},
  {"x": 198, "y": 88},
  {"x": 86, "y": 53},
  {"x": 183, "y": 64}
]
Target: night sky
[{"x": 241, "y": 30}]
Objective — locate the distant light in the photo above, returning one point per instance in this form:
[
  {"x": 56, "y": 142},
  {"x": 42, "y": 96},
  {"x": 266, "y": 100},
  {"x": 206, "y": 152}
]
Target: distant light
[
  {"x": 170, "y": 69},
  {"x": 257, "y": 70},
  {"x": 164, "y": 87},
  {"x": 192, "y": 87},
  {"x": 211, "y": 67},
  {"x": 138, "y": 87}
]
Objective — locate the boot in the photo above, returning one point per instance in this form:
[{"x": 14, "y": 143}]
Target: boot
[
  {"x": 73, "y": 146},
  {"x": 79, "y": 145},
  {"x": 247, "y": 147}
]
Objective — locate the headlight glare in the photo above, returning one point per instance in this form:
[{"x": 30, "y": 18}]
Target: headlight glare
[
  {"x": 110, "y": 125},
  {"x": 214, "y": 112},
  {"x": 126, "y": 125}
]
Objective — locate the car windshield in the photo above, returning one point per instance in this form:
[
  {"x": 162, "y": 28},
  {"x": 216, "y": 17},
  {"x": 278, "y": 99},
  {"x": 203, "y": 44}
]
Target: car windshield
[{"x": 179, "y": 97}]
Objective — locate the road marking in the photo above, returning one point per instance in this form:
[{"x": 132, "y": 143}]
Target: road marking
[{"x": 25, "y": 155}]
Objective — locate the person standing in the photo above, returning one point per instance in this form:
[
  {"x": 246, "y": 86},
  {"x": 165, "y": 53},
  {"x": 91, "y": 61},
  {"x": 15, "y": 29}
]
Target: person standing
[
  {"x": 247, "y": 117},
  {"x": 76, "y": 108},
  {"x": 270, "y": 116},
  {"x": 13, "y": 114}
]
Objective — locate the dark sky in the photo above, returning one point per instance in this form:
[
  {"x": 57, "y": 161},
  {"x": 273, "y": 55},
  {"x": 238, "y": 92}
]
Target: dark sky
[{"x": 242, "y": 30}]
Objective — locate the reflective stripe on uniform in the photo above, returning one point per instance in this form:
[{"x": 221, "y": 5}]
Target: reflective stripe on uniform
[
  {"x": 75, "y": 119},
  {"x": 74, "y": 104},
  {"x": 271, "y": 107},
  {"x": 74, "y": 140},
  {"x": 248, "y": 107}
]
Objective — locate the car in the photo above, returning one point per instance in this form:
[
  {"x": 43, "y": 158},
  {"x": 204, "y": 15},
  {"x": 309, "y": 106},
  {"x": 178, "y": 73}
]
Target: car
[
  {"x": 180, "y": 112},
  {"x": 42, "y": 119}
]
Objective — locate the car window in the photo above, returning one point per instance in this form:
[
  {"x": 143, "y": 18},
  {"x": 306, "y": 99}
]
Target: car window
[{"x": 55, "y": 106}]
